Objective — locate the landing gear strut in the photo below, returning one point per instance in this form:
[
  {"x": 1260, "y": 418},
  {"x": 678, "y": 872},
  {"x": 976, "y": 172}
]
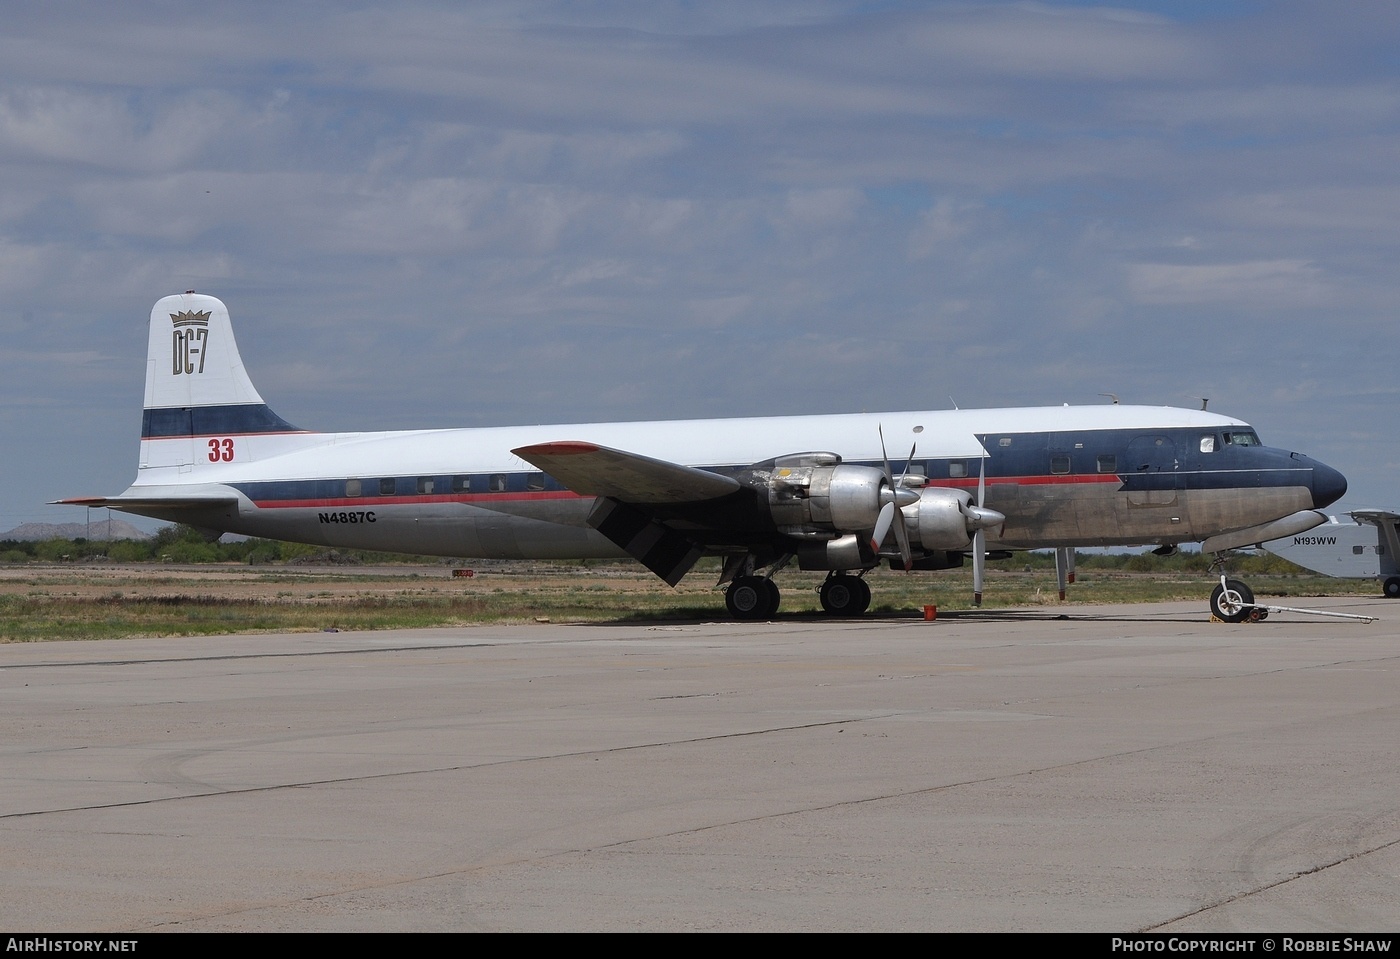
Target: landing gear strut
[{"x": 844, "y": 595}]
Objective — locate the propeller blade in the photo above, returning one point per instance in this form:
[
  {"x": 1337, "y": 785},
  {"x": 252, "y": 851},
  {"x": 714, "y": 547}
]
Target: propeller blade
[
  {"x": 895, "y": 496},
  {"x": 889, "y": 477},
  {"x": 901, "y": 536},
  {"x": 908, "y": 463},
  {"x": 979, "y": 565},
  {"x": 882, "y": 525},
  {"x": 982, "y": 481},
  {"x": 979, "y": 538}
]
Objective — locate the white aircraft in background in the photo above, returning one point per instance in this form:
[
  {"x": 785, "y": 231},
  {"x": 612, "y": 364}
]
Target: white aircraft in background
[
  {"x": 759, "y": 492},
  {"x": 1365, "y": 548}
]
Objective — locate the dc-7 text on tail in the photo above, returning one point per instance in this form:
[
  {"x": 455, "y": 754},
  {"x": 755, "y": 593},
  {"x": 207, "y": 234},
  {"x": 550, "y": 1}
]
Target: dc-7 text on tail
[{"x": 759, "y": 492}]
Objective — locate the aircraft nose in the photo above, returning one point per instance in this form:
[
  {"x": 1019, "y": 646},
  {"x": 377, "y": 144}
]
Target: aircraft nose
[{"x": 1328, "y": 485}]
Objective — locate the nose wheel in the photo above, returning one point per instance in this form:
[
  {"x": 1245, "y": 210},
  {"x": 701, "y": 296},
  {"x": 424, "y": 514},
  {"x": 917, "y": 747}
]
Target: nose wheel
[{"x": 1232, "y": 601}]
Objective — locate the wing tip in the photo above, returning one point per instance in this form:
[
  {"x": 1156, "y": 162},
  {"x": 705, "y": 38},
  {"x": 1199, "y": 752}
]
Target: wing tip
[{"x": 560, "y": 448}]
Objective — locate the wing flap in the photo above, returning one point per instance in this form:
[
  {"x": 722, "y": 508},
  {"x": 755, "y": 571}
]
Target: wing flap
[{"x": 592, "y": 470}]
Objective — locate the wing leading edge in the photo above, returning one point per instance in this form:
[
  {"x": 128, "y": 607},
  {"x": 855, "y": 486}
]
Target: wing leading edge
[{"x": 592, "y": 470}]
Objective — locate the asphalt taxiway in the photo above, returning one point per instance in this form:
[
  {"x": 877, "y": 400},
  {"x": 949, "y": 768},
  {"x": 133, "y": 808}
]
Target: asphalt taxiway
[{"x": 1081, "y": 768}]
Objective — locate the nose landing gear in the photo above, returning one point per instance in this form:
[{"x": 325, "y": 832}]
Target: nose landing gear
[{"x": 1233, "y": 602}]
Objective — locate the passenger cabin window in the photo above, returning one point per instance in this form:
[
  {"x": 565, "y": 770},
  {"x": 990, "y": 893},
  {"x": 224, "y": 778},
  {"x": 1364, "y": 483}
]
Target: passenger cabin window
[
  {"x": 425, "y": 484},
  {"x": 386, "y": 487},
  {"x": 1059, "y": 463},
  {"x": 1108, "y": 462},
  {"x": 352, "y": 487},
  {"x": 535, "y": 481},
  {"x": 957, "y": 468},
  {"x": 498, "y": 482},
  {"x": 1004, "y": 441},
  {"x": 1357, "y": 550},
  {"x": 461, "y": 484},
  {"x": 1208, "y": 444}
]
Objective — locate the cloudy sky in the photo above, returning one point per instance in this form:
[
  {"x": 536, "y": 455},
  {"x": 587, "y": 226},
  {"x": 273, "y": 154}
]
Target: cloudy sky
[{"x": 446, "y": 214}]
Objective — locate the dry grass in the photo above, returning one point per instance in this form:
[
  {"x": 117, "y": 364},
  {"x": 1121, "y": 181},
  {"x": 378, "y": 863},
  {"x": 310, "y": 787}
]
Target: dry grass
[{"x": 104, "y": 602}]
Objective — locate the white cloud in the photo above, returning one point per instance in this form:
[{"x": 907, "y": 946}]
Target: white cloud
[{"x": 1267, "y": 284}]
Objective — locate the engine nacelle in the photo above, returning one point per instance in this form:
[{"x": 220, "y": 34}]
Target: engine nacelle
[
  {"x": 844, "y": 552},
  {"x": 939, "y": 520},
  {"x": 820, "y": 501}
]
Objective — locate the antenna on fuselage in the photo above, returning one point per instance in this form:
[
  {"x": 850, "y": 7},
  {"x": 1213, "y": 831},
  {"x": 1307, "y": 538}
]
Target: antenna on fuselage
[
  {"x": 1205, "y": 401},
  {"x": 1112, "y": 396}
]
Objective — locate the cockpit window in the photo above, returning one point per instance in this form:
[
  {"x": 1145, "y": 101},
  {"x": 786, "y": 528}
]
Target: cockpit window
[
  {"x": 1208, "y": 444},
  {"x": 1242, "y": 438}
]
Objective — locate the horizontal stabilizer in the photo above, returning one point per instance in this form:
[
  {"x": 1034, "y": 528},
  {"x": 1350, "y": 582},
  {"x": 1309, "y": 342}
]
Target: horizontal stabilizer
[
  {"x": 135, "y": 503},
  {"x": 592, "y": 470}
]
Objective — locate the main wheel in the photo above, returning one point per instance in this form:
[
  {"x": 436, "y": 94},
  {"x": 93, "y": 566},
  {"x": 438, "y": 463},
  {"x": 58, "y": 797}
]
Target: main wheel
[
  {"x": 752, "y": 597},
  {"x": 774, "y": 597},
  {"x": 1392, "y": 587},
  {"x": 1232, "y": 602},
  {"x": 845, "y": 595}
]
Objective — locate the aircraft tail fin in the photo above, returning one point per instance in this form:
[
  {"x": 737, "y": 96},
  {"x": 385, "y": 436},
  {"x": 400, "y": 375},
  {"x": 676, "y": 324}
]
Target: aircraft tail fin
[
  {"x": 198, "y": 392},
  {"x": 193, "y": 367}
]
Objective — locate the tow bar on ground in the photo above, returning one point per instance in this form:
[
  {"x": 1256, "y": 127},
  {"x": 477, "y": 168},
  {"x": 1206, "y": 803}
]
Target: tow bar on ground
[{"x": 1230, "y": 598}]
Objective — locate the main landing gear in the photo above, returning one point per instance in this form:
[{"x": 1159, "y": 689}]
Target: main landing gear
[
  {"x": 844, "y": 595},
  {"x": 757, "y": 597},
  {"x": 752, "y": 597}
]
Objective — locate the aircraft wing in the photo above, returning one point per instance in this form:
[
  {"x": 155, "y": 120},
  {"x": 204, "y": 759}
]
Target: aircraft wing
[
  {"x": 1373, "y": 515},
  {"x": 592, "y": 470},
  {"x": 630, "y": 490}
]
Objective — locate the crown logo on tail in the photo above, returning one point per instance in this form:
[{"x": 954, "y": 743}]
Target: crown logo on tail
[{"x": 190, "y": 318}]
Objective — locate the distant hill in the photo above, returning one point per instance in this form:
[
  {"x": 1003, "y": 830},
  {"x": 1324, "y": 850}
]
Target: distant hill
[{"x": 120, "y": 529}]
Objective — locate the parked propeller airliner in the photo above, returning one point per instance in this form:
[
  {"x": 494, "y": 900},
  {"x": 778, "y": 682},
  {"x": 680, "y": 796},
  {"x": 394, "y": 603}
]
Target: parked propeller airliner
[{"x": 758, "y": 492}]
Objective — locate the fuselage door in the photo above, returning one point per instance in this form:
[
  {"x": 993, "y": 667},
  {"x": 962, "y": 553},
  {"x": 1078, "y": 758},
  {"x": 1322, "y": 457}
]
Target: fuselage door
[{"x": 1150, "y": 476}]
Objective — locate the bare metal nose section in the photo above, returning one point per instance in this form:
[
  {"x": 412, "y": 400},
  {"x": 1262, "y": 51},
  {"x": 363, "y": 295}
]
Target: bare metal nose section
[{"x": 1327, "y": 484}]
